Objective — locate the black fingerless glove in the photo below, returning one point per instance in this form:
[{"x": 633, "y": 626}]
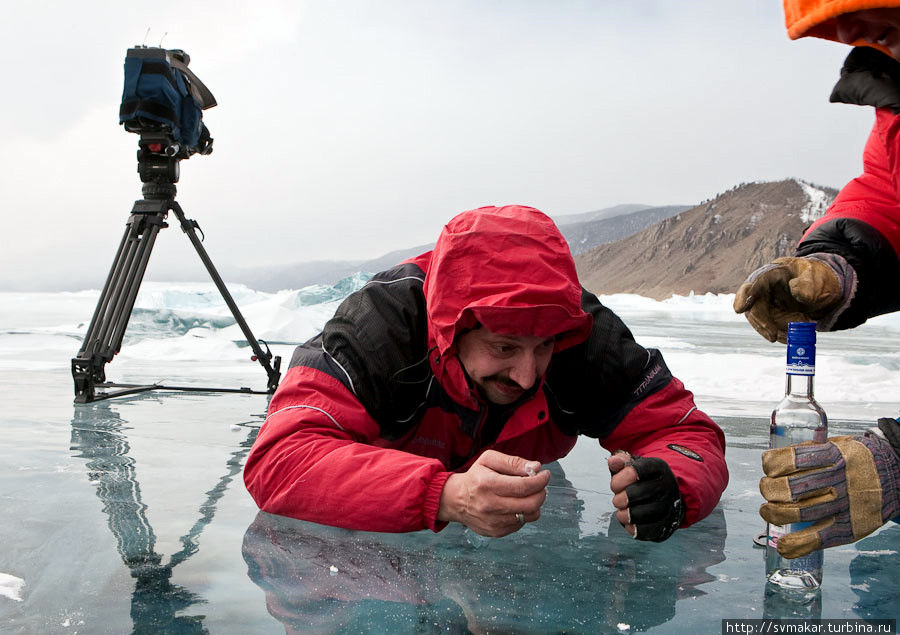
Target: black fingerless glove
[{"x": 654, "y": 501}]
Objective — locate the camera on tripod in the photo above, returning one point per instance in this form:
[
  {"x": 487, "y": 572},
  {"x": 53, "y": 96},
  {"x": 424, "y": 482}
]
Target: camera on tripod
[{"x": 163, "y": 101}]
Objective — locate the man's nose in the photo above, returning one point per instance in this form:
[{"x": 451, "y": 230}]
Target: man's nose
[
  {"x": 524, "y": 371},
  {"x": 850, "y": 29}
]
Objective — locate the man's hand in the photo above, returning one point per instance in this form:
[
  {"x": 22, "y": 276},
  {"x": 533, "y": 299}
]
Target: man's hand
[
  {"x": 848, "y": 487},
  {"x": 787, "y": 290},
  {"x": 496, "y": 496},
  {"x": 646, "y": 495}
]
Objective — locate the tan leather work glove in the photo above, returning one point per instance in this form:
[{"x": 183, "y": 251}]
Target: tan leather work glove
[
  {"x": 848, "y": 487},
  {"x": 787, "y": 290}
]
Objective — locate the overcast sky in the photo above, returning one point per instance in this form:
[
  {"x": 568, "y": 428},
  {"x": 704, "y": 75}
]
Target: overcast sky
[{"x": 347, "y": 129}]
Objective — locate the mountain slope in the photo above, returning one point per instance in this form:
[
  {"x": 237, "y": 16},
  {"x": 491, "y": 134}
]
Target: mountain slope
[
  {"x": 709, "y": 248},
  {"x": 584, "y": 236},
  {"x": 598, "y": 214}
]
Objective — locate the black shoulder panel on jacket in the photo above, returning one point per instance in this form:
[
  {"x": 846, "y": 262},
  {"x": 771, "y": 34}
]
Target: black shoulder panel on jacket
[
  {"x": 591, "y": 387},
  {"x": 873, "y": 258},
  {"x": 376, "y": 345},
  {"x": 869, "y": 78},
  {"x": 310, "y": 354}
]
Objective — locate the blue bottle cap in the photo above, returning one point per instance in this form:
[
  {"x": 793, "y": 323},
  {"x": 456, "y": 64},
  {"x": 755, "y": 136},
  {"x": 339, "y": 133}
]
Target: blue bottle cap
[{"x": 801, "y": 348}]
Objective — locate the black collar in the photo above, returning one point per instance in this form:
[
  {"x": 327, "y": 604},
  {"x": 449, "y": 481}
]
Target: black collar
[{"x": 869, "y": 78}]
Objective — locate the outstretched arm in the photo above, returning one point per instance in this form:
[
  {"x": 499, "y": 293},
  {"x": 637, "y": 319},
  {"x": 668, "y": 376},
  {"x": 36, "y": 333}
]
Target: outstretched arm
[
  {"x": 668, "y": 428},
  {"x": 613, "y": 389},
  {"x": 846, "y": 268},
  {"x": 317, "y": 458},
  {"x": 314, "y": 459}
]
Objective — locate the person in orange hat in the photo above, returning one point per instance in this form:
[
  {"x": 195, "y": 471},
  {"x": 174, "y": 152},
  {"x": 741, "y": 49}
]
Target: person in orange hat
[
  {"x": 844, "y": 270},
  {"x": 437, "y": 391}
]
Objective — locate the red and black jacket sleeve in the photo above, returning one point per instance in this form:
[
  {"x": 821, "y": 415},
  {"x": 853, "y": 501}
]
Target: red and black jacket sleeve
[
  {"x": 612, "y": 388},
  {"x": 863, "y": 223}
]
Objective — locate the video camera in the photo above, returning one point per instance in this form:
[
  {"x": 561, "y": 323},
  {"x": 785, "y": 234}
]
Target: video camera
[{"x": 163, "y": 101}]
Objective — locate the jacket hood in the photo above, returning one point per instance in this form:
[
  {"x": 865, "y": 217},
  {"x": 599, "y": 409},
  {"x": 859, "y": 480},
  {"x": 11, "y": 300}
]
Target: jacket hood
[
  {"x": 816, "y": 18},
  {"x": 507, "y": 268}
]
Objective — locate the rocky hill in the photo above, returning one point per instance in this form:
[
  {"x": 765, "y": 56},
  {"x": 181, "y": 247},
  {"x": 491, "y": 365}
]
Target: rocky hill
[{"x": 709, "y": 248}]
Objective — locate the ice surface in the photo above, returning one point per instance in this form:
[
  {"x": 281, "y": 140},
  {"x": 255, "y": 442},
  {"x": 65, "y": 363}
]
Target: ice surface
[
  {"x": 709, "y": 347},
  {"x": 130, "y": 514}
]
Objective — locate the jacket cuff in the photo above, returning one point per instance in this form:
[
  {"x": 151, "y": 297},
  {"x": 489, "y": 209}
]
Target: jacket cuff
[
  {"x": 433, "y": 501},
  {"x": 847, "y": 277},
  {"x": 890, "y": 429}
]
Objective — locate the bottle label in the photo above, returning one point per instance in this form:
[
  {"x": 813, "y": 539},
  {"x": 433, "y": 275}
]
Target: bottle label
[
  {"x": 775, "y": 532},
  {"x": 801, "y": 359}
]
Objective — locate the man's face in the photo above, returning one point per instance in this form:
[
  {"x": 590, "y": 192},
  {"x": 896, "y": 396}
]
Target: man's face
[
  {"x": 875, "y": 26},
  {"x": 503, "y": 367}
]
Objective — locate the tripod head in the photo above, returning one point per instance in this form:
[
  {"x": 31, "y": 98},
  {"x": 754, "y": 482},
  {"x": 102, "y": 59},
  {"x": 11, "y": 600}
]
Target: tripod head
[{"x": 158, "y": 166}]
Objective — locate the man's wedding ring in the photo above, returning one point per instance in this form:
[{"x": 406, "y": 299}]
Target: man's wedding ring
[{"x": 521, "y": 518}]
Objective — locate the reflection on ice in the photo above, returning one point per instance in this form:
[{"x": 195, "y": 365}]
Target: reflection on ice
[
  {"x": 781, "y": 603},
  {"x": 98, "y": 435},
  {"x": 872, "y": 574},
  {"x": 544, "y": 578}
]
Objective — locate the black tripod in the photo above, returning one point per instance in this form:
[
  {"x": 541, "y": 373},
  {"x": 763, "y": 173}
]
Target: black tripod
[{"x": 159, "y": 172}]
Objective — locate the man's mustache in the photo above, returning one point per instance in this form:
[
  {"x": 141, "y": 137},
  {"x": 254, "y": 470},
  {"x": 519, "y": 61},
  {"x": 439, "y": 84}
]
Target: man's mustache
[{"x": 506, "y": 381}]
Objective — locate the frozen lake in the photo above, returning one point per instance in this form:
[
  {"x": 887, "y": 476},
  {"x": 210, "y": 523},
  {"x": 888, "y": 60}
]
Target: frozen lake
[{"x": 130, "y": 515}]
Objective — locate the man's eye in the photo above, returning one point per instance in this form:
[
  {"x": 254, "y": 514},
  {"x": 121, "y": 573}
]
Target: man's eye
[{"x": 503, "y": 349}]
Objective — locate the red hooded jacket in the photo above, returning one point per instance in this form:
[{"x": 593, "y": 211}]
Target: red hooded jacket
[{"x": 376, "y": 412}]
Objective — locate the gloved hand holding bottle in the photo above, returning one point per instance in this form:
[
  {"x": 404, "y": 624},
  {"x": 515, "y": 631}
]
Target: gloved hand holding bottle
[{"x": 848, "y": 487}]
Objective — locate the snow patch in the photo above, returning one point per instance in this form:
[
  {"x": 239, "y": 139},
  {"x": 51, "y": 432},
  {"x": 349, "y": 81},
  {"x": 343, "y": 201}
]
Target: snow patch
[
  {"x": 11, "y": 587},
  {"x": 818, "y": 202}
]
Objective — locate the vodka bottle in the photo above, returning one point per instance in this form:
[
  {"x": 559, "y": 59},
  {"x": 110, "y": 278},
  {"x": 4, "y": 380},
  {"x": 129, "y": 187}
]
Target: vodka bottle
[{"x": 796, "y": 419}]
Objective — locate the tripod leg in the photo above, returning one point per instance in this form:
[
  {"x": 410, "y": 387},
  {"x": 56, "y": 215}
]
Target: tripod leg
[
  {"x": 274, "y": 374},
  {"x": 144, "y": 238},
  {"x": 115, "y": 272},
  {"x": 104, "y": 335}
]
